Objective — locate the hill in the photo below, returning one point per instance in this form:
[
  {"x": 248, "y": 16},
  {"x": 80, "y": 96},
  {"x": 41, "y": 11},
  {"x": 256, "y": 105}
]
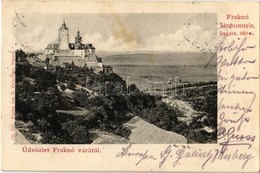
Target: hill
[{"x": 158, "y": 58}]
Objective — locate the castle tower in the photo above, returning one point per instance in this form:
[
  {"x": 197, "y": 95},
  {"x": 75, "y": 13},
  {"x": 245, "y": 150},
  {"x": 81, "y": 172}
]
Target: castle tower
[
  {"x": 78, "y": 40},
  {"x": 63, "y": 38}
]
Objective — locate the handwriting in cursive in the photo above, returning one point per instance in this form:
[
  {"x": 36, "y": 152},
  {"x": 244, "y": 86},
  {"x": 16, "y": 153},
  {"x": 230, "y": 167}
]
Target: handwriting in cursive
[
  {"x": 210, "y": 156},
  {"x": 233, "y": 48},
  {"x": 142, "y": 155},
  {"x": 235, "y": 107}
]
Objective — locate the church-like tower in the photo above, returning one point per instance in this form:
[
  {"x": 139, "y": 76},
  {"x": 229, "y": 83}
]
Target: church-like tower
[
  {"x": 78, "y": 41},
  {"x": 63, "y": 38}
]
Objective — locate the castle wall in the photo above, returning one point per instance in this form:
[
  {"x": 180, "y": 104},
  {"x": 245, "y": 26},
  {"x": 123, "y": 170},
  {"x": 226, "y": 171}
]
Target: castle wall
[
  {"x": 78, "y": 61},
  {"x": 100, "y": 65},
  {"x": 49, "y": 52},
  {"x": 95, "y": 66},
  {"x": 78, "y": 52}
]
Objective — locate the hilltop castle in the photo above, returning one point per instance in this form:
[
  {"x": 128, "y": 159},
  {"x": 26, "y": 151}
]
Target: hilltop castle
[{"x": 77, "y": 53}]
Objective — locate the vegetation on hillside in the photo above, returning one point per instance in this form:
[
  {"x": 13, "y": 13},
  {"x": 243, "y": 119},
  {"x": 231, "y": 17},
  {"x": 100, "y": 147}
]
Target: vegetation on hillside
[{"x": 40, "y": 93}]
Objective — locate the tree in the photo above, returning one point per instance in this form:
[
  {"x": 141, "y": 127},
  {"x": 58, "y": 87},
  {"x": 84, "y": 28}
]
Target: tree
[
  {"x": 62, "y": 87},
  {"x": 71, "y": 85},
  {"x": 43, "y": 125},
  {"x": 78, "y": 134},
  {"x": 44, "y": 80},
  {"x": 47, "y": 61},
  {"x": 30, "y": 125},
  {"x": 22, "y": 69},
  {"x": 18, "y": 116},
  {"x": 72, "y": 64},
  {"x": 20, "y": 56},
  {"x": 31, "y": 117}
]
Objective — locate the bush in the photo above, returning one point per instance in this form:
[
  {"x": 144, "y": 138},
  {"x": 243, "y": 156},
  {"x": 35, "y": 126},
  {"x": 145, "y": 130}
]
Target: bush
[
  {"x": 31, "y": 117},
  {"x": 19, "y": 116},
  {"x": 30, "y": 125},
  {"x": 77, "y": 134},
  {"x": 62, "y": 87},
  {"x": 162, "y": 116}
]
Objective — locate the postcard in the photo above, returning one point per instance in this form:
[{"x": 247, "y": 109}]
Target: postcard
[{"x": 130, "y": 86}]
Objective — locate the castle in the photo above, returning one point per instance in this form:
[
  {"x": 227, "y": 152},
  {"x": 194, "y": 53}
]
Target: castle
[{"x": 77, "y": 53}]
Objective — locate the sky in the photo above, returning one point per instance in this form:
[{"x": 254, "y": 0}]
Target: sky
[{"x": 177, "y": 32}]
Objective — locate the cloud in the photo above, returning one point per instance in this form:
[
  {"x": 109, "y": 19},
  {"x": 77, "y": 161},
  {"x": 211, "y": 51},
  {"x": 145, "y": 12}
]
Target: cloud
[
  {"x": 111, "y": 43},
  {"x": 35, "y": 39},
  {"x": 187, "y": 39}
]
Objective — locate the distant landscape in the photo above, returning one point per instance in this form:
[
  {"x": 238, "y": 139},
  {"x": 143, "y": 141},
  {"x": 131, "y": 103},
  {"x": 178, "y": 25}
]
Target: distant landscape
[
  {"x": 160, "y": 66},
  {"x": 157, "y": 58}
]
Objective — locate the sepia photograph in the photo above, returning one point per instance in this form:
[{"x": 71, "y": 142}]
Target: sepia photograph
[
  {"x": 130, "y": 86},
  {"x": 125, "y": 78}
]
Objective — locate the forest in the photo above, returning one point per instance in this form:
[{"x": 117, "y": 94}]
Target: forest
[{"x": 38, "y": 98}]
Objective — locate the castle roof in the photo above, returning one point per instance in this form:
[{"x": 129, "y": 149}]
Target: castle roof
[
  {"x": 81, "y": 46},
  {"x": 63, "y": 26},
  {"x": 52, "y": 46},
  {"x": 73, "y": 46},
  {"x": 89, "y": 46}
]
